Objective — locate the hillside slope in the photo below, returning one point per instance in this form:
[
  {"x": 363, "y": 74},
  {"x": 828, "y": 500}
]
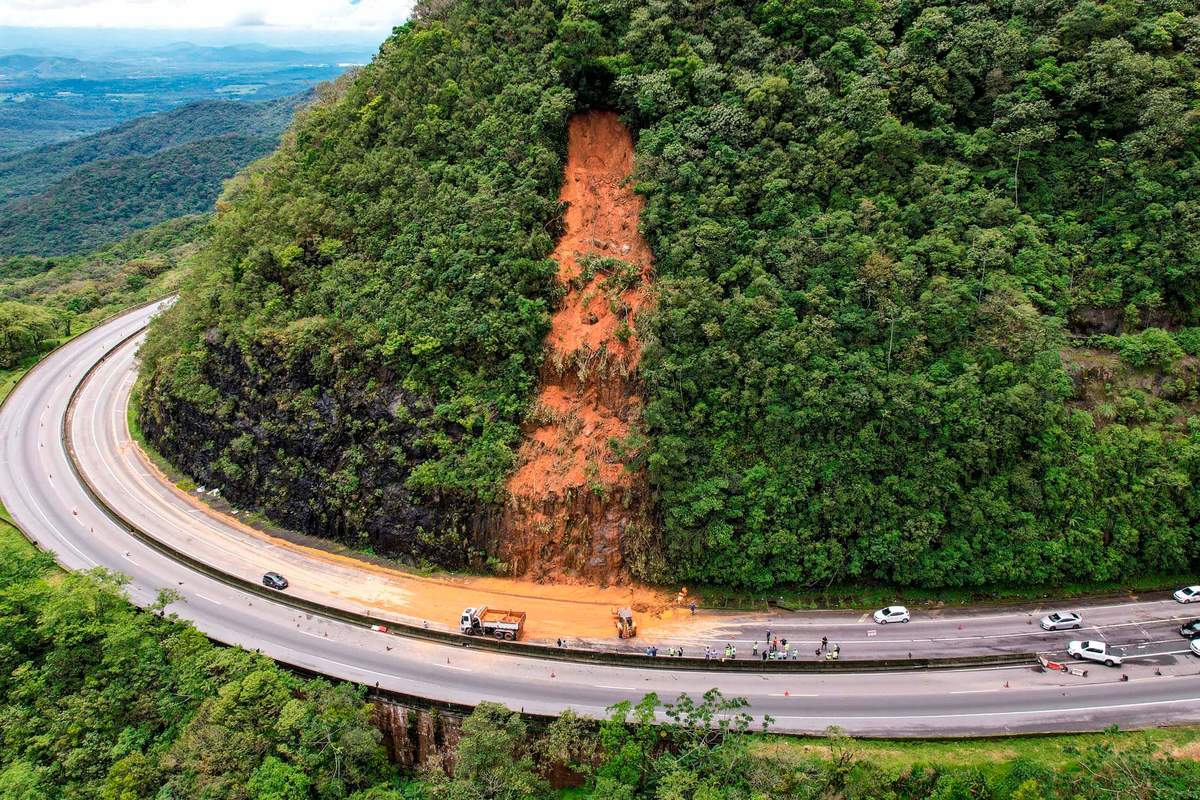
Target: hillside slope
[
  {"x": 34, "y": 170},
  {"x": 879, "y": 232},
  {"x": 75, "y": 196}
]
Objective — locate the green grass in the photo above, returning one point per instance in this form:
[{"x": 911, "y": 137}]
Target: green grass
[
  {"x": 9, "y": 522},
  {"x": 10, "y": 377},
  {"x": 873, "y": 596},
  {"x": 135, "y": 432},
  {"x": 895, "y": 756},
  {"x": 1049, "y": 750}
]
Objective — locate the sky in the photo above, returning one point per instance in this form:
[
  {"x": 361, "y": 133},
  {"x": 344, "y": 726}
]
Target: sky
[{"x": 271, "y": 18}]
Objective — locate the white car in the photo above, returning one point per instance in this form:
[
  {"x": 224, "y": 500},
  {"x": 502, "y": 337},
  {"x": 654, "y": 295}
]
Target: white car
[
  {"x": 1061, "y": 621},
  {"x": 891, "y": 614},
  {"x": 1188, "y": 594},
  {"x": 1195, "y": 645},
  {"x": 1094, "y": 651}
]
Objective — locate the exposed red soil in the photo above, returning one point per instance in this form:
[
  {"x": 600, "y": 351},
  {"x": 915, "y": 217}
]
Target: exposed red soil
[{"x": 571, "y": 498}]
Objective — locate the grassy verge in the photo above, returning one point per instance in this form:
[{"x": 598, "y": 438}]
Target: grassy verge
[
  {"x": 1049, "y": 751},
  {"x": 874, "y": 596},
  {"x": 8, "y": 523},
  {"x": 10, "y": 377},
  {"x": 135, "y": 431}
]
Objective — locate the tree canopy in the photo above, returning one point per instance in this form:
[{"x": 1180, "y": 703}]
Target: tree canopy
[{"x": 892, "y": 240}]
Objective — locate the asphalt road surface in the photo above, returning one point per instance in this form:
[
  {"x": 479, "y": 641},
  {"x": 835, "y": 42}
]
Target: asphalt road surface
[{"x": 43, "y": 495}]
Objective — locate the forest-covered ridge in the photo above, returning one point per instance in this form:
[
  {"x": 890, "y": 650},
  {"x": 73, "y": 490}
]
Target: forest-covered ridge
[
  {"x": 76, "y": 196},
  {"x": 925, "y": 274}
]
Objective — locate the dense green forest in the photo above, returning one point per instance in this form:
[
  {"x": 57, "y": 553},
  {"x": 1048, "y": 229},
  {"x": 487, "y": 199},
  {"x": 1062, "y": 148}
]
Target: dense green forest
[
  {"x": 46, "y": 300},
  {"x": 76, "y": 196},
  {"x": 32, "y": 171},
  {"x": 101, "y": 700},
  {"x": 927, "y": 282}
]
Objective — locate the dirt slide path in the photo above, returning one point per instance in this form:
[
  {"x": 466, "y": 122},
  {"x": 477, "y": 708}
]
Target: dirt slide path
[
  {"x": 572, "y": 503},
  {"x": 569, "y": 611}
]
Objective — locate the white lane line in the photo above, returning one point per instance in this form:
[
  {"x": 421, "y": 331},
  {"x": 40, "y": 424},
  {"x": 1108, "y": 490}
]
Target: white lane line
[
  {"x": 451, "y": 666},
  {"x": 209, "y": 599},
  {"x": 1019, "y": 712},
  {"x": 618, "y": 688},
  {"x": 793, "y": 694},
  {"x": 974, "y": 691},
  {"x": 781, "y": 624},
  {"x": 208, "y": 523}
]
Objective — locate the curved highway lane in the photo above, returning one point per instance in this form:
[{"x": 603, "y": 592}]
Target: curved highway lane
[
  {"x": 127, "y": 482},
  {"x": 52, "y": 506}
]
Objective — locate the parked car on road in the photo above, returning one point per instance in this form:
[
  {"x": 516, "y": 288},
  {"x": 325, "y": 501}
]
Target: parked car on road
[
  {"x": 1061, "y": 621},
  {"x": 1095, "y": 651},
  {"x": 273, "y": 580},
  {"x": 1188, "y": 594},
  {"x": 1190, "y": 629},
  {"x": 1195, "y": 645},
  {"x": 891, "y": 614}
]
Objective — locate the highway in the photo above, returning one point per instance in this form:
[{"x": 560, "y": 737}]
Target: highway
[{"x": 50, "y": 503}]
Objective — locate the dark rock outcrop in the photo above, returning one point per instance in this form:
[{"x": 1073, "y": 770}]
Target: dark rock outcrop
[{"x": 306, "y": 441}]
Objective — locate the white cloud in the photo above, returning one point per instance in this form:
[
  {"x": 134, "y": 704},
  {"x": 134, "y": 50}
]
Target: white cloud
[{"x": 332, "y": 15}]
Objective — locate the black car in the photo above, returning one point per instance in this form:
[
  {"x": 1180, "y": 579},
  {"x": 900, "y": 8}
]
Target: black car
[
  {"x": 1190, "y": 629},
  {"x": 274, "y": 580}
]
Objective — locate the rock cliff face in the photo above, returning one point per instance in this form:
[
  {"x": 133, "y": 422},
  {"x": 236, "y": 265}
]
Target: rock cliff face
[
  {"x": 573, "y": 501},
  {"x": 415, "y": 737},
  {"x": 276, "y": 430}
]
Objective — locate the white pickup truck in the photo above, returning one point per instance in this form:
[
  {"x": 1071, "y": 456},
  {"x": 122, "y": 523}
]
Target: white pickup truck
[{"x": 1095, "y": 651}]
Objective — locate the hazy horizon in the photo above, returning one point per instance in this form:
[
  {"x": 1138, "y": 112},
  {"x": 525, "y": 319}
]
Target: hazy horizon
[
  {"x": 263, "y": 18},
  {"x": 85, "y": 43}
]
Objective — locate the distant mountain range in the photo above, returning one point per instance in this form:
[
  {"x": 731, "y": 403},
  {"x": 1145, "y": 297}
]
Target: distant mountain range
[
  {"x": 49, "y": 96},
  {"x": 74, "y": 196},
  {"x": 16, "y": 67}
]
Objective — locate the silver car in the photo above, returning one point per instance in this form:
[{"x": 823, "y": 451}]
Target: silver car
[
  {"x": 1061, "y": 621},
  {"x": 1188, "y": 594}
]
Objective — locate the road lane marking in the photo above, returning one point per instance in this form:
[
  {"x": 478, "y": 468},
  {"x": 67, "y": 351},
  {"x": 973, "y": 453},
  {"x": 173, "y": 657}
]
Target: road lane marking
[{"x": 1018, "y": 712}]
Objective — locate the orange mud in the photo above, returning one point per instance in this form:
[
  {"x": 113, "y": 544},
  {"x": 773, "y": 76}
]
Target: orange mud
[
  {"x": 568, "y": 611},
  {"x": 571, "y": 498}
]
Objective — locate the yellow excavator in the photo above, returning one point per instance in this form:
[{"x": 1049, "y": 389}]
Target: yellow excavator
[{"x": 623, "y": 619}]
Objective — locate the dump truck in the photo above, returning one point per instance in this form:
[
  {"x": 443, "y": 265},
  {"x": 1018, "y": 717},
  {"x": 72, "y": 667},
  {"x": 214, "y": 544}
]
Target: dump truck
[
  {"x": 498, "y": 622},
  {"x": 623, "y": 619}
]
